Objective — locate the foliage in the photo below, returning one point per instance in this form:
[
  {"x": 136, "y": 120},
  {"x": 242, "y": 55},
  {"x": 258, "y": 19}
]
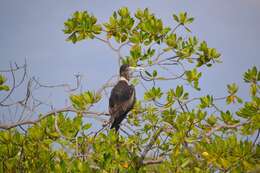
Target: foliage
[
  {"x": 167, "y": 131},
  {"x": 2, "y": 86}
]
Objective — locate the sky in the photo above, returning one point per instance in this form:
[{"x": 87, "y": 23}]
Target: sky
[{"x": 32, "y": 30}]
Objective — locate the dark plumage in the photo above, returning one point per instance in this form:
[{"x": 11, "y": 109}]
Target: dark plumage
[{"x": 122, "y": 98}]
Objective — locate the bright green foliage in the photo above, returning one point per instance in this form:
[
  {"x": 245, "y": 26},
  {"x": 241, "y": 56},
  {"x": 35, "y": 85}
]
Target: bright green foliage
[
  {"x": 212, "y": 120},
  {"x": 153, "y": 94},
  {"x": 119, "y": 25},
  {"x": 227, "y": 118},
  {"x": 193, "y": 77},
  {"x": 171, "y": 130},
  {"x": 2, "y": 86},
  {"x": 206, "y": 101},
  {"x": 85, "y": 99},
  {"x": 232, "y": 90},
  {"x": 81, "y": 26},
  {"x": 224, "y": 154},
  {"x": 182, "y": 18},
  {"x": 251, "y": 112},
  {"x": 252, "y": 76},
  {"x": 206, "y": 55}
]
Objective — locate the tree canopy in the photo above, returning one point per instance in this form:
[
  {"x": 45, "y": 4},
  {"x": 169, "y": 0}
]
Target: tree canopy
[{"x": 169, "y": 129}]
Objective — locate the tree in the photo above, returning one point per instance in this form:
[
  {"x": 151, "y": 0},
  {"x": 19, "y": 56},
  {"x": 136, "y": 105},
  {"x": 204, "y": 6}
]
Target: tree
[{"x": 168, "y": 130}]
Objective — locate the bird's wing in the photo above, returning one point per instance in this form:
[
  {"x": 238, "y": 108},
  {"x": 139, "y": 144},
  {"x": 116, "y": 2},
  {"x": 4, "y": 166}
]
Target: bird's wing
[
  {"x": 123, "y": 107},
  {"x": 119, "y": 111},
  {"x": 121, "y": 100}
]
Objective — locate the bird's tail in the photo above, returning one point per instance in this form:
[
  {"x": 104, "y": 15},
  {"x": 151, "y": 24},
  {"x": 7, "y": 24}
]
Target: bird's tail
[
  {"x": 116, "y": 126},
  {"x": 117, "y": 121}
]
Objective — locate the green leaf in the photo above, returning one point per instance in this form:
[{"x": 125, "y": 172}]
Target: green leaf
[
  {"x": 212, "y": 120},
  {"x": 171, "y": 41},
  {"x": 187, "y": 29},
  {"x": 206, "y": 101},
  {"x": 201, "y": 115},
  {"x": 4, "y": 88},
  {"x": 135, "y": 82},
  {"x": 239, "y": 100},
  {"x": 123, "y": 11},
  {"x": 136, "y": 51},
  {"x": 175, "y": 17},
  {"x": 190, "y": 20},
  {"x": 179, "y": 91},
  {"x": 81, "y": 26},
  {"x": 232, "y": 88},
  {"x": 185, "y": 163},
  {"x": 183, "y": 17},
  {"x": 154, "y": 73},
  {"x": 2, "y": 79},
  {"x": 250, "y": 109},
  {"x": 54, "y": 134},
  {"x": 193, "y": 77},
  {"x": 153, "y": 93},
  {"x": 148, "y": 74},
  {"x": 77, "y": 122},
  {"x": 228, "y": 118},
  {"x": 86, "y": 126}
]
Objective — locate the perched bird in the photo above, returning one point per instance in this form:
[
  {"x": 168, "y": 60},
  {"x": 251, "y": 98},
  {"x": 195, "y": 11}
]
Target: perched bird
[{"x": 122, "y": 98}]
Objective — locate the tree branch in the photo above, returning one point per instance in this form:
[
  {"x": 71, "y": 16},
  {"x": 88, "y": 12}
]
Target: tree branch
[
  {"x": 152, "y": 162},
  {"x": 233, "y": 126},
  {"x": 78, "y": 81},
  {"x": 257, "y": 136},
  {"x": 53, "y": 112}
]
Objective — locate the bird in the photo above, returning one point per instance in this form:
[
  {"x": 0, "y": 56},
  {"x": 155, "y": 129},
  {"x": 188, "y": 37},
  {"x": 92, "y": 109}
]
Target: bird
[{"x": 122, "y": 97}]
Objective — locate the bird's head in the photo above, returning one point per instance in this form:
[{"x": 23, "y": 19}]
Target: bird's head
[{"x": 126, "y": 71}]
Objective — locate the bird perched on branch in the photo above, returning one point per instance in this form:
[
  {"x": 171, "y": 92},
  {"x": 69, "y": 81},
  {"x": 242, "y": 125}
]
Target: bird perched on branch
[{"x": 122, "y": 98}]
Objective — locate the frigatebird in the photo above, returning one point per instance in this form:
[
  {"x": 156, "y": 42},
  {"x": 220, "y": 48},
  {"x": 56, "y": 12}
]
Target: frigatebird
[{"x": 122, "y": 98}]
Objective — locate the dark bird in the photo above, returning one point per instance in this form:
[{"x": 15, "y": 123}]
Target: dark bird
[{"x": 122, "y": 98}]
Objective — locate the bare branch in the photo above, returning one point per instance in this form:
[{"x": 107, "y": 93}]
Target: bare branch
[
  {"x": 219, "y": 127},
  {"x": 69, "y": 89},
  {"x": 14, "y": 69},
  {"x": 197, "y": 98},
  {"x": 179, "y": 102},
  {"x": 152, "y": 162},
  {"x": 53, "y": 112},
  {"x": 24, "y": 67},
  {"x": 174, "y": 29}
]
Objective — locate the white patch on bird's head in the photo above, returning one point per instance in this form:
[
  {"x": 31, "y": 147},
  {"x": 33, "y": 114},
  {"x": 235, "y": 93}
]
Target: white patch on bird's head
[{"x": 123, "y": 79}]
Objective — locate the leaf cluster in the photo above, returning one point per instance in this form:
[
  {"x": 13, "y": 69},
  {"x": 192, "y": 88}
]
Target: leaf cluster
[{"x": 2, "y": 86}]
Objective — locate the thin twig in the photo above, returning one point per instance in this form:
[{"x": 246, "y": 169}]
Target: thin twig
[
  {"x": 257, "y": 136},
  {"x": 66, "y": 109},
  {"x": 152, "y": 162},
  {"x": 219, "y": 127},
  {"x": 78, "y": 81}
]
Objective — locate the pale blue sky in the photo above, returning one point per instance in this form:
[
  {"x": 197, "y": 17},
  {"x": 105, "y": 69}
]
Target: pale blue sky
[{"x": 33, "y": 30}]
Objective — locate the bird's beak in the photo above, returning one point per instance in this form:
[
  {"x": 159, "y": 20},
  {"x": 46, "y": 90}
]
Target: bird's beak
[{"x": 137, "y": 69}]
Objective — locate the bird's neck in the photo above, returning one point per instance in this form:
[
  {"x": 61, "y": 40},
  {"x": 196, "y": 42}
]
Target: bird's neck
[{"x": 122, "y": 78}]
